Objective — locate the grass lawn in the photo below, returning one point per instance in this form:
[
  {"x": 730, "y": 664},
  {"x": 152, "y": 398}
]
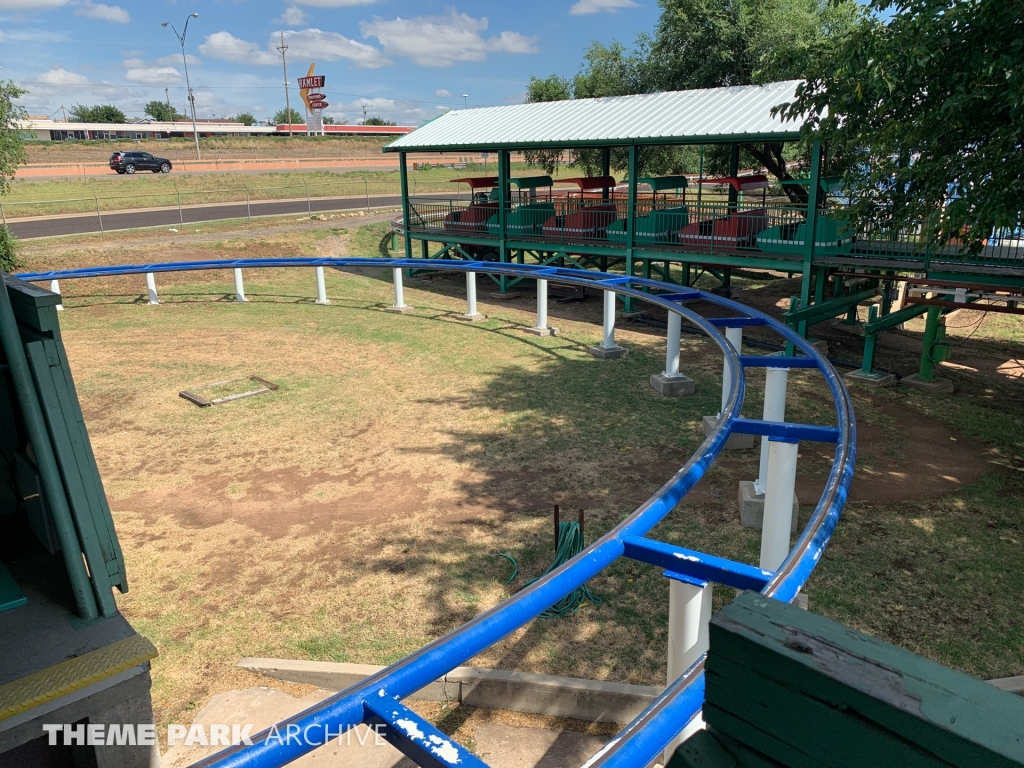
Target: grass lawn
[{"x": 355, "y": 513}]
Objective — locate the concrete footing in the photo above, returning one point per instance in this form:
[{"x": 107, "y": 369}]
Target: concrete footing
[
  {"x": 399, "y": 310},
  {"x": 752, "y": 507},
  {"x": 802, "y": 601},
  {"x": 821, "y": 345},
  {"x": 471, "y": 318},
  {"x": 549, "y": 331},
  {"x": 608, "y": 353},
  {"x": 855, "y": 328},
  {"x": 591, "y": 700},
  {"x": 623, "y": 315},
  {"x": 937, "y": 386},
  {"x": 673, "y": 386},
  {"x": 871, "y": 379},
  {"x": 505, "y": 296},
  {"x": 736, "y": 442}
]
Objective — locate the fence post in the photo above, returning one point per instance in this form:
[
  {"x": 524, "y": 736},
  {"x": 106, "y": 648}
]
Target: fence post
[
  {"x": 55, "y": 287},
  {"x": 98, "y": 215},
  {"x": 321, "y": 288},
  {"x": 151, "y": 288},
  {"x": 239, "y": 286},
  {"x": 689, "y": 612},
  {"x": 248, "y": 210},
  {"x": 2, "y": 214},
  {"x": 309, "y": 206},
  {"x": 400, "y": 305},
  {"x": 471, "y": 312},
  {"x": 366, "y": 189}
]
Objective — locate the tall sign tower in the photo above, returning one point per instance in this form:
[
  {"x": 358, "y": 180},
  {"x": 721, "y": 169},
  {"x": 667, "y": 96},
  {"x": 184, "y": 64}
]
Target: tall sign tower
[{"x": 315, "y": 102}]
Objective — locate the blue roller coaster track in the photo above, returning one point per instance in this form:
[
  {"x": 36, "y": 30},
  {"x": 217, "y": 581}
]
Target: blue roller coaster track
[{"x": 377, "y": 699}]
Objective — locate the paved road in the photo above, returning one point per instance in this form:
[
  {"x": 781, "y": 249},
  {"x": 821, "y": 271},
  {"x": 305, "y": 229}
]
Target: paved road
[{"x": 170, "y": 217}]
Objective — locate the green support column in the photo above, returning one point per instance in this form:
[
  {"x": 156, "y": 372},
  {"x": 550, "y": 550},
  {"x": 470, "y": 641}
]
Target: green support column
[
  {"x": 734, "y": 169},
  {"x": 630, "y": 221},
  {"x": 403, "y": 175},
  {"x": 606, "y": 169},
  {"x": 868, "y": 361},
  {"x": 930, "y": 340},
  {"x": 503, "y": 195},
  {"x": 811, "y": 230}
]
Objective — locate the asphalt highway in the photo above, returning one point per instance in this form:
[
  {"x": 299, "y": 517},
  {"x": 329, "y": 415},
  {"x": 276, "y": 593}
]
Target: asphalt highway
[{"x": 170, "y": 217}]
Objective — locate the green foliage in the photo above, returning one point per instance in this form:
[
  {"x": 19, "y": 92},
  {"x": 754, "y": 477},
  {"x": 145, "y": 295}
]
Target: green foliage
[
  {"x": 245, "y": 118},
  {"x": 101, "y": 113},
  {"x": 377, "y": 121},
  {"x": 935, "y": 97},
  {"x": 282, "y": 117},
  {"x": 328, "y": 121},
  {"x": 704, "y": 44},
  {"x": 12, "y": 146},
  {"x": 8, "y": 250},
  {"x": 159, "y": 110}
]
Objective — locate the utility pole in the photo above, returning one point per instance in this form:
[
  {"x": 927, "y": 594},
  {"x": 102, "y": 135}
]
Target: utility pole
[
  {"x": 170, "y": 112},
  {"x": 287, "y": 101},
  {"x": 364, "y": 114},
  {"x": 65, "y": 112}
]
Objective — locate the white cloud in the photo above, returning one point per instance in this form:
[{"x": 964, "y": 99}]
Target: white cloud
[
  {"x": 173, "y": 59},
  {"x": 112, "y": 13},
  {"x": 292, "y": 17},
  {"x": 317, "y": 44},
  {"x": 401, "y": 112},
  {"x": 443, "y": 93},
  {"x": 24, "y": 5},
  {"x": 224, "y": 45},
  {"x": 153, "y": 75},
  {"x": 31, "y": 36},
  {"x": 61, "y": 77},
  {"x": 596, "y": 6},
  {"x": 440, "y": 41},
  {"x": 306, "y": 43}
]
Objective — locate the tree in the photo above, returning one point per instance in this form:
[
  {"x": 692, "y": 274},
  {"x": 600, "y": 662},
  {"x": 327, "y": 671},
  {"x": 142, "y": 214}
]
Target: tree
[
  {"x": 101, "y": 113},
  {"x": 707, "y": 44},
  {"x": 281, "y": 118},
  {"x": 159, "y": 110},
  {"x": 935, "y": 100},
  {"x": 551, "y": 88},
  {"x": 12, "y": 146},
  {"x": 328, "y": 121},
  {"x": 245, "y": 118},
  {"x": 377, "y": 121}
]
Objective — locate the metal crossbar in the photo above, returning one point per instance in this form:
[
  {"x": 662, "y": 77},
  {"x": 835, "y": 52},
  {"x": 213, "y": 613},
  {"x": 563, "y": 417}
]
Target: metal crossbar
[{"x": 376, "y": 699}]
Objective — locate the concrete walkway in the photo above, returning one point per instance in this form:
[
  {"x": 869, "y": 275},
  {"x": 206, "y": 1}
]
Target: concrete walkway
[{"x": 500, "y": 745}]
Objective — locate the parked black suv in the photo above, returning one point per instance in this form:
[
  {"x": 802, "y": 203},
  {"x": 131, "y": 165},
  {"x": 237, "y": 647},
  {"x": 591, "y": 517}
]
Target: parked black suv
[{"x": 130, "y": 162}]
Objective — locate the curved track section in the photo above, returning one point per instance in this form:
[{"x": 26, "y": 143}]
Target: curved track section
[{"x": 377, "y": 699}]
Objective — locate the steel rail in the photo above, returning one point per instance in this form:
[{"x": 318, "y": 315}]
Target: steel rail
[{"x": 652, "y": 730}]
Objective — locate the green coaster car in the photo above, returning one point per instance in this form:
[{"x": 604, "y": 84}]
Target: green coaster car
[
  {"x": 833, "y": 238},
  {"x": 657, "y": 227},
  {"x": 524, "y": 220}
]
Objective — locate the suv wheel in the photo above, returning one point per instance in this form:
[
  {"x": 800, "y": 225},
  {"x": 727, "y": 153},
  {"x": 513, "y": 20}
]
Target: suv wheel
[
  {"x": 165, "y": 167},
  {"x": 129, "y": 168}
]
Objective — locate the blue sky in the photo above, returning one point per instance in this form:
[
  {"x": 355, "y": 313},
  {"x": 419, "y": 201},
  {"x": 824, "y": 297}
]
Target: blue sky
[{"x": 405, "y": 61}]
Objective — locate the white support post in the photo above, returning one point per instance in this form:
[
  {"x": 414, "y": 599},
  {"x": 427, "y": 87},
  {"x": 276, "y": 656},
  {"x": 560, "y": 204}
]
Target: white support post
[
  {"x": 239, "y": 286},
  {"x": 471, "y": 312},
  {"x": 321, "y": 287},
  {"x": 542, "y": 305},
  {"x": 675, "y": 323},
  {"x": 151, "y": 288},
  {"x": 671, "y": 382},
  {"x": 778, "y": 502},
  {"x": 55, "y": 287},
  {"x": 689, "y": 613},
  {"x": 542, "y": 328},
  {"x": 775, "y": 383},
  {"x": 400, "y": 305},
  {"x": 608, "y": 342},
  {"x": 734, "y": 337}
]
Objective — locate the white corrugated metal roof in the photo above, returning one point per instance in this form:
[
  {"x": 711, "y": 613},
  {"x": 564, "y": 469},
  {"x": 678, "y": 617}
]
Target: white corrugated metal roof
[{"x": 674, "y": 116}]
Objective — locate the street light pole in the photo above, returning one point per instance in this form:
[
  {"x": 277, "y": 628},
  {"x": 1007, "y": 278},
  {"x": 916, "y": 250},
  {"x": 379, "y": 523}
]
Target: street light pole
[
  {"x": 465, "y": 100},
  {"x": 287, "y": 99},
  {"x": 188, "y": 85}
]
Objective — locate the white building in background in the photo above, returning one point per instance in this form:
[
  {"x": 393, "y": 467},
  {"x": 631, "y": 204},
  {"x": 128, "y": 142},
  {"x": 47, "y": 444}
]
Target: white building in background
[{"x": 44, "y": 129}]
